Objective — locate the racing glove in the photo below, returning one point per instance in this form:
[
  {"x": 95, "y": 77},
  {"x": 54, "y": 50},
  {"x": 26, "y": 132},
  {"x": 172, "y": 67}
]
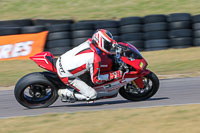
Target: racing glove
[{"x": 115, "y": 75}]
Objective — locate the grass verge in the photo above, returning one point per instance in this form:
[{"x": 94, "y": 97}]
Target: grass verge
[
  {"x": 172, "y": 62},
  {"x": 177, "y": 119},
  {"x": 88, "y": 9},
  {"x": 13, "y": 70}
]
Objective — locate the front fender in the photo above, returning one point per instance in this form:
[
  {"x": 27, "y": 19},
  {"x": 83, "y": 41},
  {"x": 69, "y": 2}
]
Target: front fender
[
  {"x": 144, "y": 73},
  {"x": 139, "y": 81},
  {"x": 135, "y": 74},
  {"x": 139, "y": 76}
]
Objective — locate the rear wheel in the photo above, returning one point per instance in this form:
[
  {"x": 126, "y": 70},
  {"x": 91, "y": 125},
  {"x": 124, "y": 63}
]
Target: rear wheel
[
  {"x": 35, "y": 91},
  {"x": 132, "y": 92}
]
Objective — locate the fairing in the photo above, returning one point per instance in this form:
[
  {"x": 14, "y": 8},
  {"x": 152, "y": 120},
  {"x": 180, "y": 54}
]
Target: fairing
[
  {"x": 44, "y": 60},
  {"x": 132, "y": 57}
]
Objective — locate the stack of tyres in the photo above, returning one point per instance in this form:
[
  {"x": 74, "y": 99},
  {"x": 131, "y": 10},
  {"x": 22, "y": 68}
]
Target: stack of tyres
[
  {"x": 16, "y": 23},
  {"x": 9, "y": 31},
  {"x": 196, "y": 30},
  {"x": 46, "y": 22},
  {"x": 13, "y": 27},
  {"x": 110, "y": 25},
  {"x": 155, "y": 32},
  {"x": 58, "y": 39},
  {"x": 131, "y": 31},
  {"x": 81, "y": 31},
  {"x": 32, "y": 29},
  {"x": 180, "y": 30}
]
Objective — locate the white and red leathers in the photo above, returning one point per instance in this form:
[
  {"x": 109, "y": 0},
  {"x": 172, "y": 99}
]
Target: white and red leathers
[{"x": 77, "y": 61}]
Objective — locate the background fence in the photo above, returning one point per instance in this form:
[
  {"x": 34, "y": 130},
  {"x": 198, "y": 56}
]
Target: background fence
[{"x": 151, "y": 32}]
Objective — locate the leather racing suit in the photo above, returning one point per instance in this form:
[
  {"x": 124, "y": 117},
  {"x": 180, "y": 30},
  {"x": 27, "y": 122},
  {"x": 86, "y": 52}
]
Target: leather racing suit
[{"x": 77, "y": 61}]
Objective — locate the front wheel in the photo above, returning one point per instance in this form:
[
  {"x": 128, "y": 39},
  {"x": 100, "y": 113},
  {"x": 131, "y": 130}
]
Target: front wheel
[
  {"x": 35, "y": 91},
  {"x": 132, "y": 92}
]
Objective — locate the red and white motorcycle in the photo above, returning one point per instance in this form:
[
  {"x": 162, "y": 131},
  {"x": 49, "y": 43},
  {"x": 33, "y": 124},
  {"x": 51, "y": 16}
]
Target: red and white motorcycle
[{"x": 40, "y": 89}]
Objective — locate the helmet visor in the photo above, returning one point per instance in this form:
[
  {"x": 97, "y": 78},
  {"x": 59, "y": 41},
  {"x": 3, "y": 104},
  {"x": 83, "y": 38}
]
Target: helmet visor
[{"x": 107, "y": 45}]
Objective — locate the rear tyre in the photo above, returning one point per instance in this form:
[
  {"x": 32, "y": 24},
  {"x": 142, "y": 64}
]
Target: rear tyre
[
  {"x": 35, "y": 91},
  {"x": 133, "y": 93}
]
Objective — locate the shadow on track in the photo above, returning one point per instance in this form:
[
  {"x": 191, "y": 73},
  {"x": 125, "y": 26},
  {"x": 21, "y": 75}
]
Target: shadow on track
[{"x": 106, "y": 103}]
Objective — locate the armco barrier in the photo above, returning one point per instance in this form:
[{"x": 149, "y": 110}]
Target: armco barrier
[{"x": 151, "y": 32}]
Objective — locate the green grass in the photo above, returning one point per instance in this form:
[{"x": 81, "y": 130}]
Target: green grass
[
  {"x": 164, "y": 62},
  {"x": 90, "y": 9},
  {"x": 13, "y": 70},
  {"x": 177, "y": 119},
  {"x": 174, "y": 61}
]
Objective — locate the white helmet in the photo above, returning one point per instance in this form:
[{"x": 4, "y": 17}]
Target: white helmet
[{"x": 103, "y": 39}]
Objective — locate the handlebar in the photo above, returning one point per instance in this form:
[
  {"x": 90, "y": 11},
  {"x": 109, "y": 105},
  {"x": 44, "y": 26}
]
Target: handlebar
[{"x": 119, "y": 52}]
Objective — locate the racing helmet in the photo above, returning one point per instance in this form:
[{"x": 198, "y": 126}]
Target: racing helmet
[{"x": 103, "y": 39}]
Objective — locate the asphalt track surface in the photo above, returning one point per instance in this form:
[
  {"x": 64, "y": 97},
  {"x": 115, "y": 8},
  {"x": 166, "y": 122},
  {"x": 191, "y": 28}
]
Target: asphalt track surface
[{"x": 171, "y": 92}]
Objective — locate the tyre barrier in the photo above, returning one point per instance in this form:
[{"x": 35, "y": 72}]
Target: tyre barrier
[
  {"x": 32, "y": 29},
  {"x": 180, "y": 33},
  {"x": 131, "y": 30},
  {"x": 81, "y": 31},
  {"x": 9, "y": 31},
  {"x": 110, "y": 25},
  {"x": 196, "y": 30},
  {"x": 16, "y": 23},
  {"x": 155, "y": 32},
  {"x": 59, "y": 50},
  {"x": 151, "y": 32},
  {"x": 45, "y": 22},
  {"x": 58, "y": 27},
  {"x": 58, "y": 39}
]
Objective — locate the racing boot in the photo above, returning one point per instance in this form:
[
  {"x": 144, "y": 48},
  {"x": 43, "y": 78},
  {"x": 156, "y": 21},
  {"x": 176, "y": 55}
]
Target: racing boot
[{"x": 68, "y": 95}]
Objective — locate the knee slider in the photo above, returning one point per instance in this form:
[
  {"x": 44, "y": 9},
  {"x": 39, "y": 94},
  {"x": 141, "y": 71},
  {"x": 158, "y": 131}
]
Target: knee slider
[{"x": 93, "y": 94}]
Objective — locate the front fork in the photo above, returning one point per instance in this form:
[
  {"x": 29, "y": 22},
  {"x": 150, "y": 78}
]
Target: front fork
[{"x": 139, "y": 81}]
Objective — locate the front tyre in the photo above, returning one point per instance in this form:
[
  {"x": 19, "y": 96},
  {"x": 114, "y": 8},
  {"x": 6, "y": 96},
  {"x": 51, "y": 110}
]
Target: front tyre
[
  {"x": 132, "y": 92},
  {"x": 35, "y": 91}
]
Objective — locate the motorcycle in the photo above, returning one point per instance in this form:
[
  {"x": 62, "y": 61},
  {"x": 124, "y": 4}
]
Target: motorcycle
[{"x": 40, "y": 89}]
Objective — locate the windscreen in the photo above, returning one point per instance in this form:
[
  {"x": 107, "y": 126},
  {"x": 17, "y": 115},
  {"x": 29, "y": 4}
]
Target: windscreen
[{"x": 131, "y": 52}]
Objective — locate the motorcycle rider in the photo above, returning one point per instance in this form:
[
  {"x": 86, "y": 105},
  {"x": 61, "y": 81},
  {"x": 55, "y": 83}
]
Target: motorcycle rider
[{"x": 85, "y": 58}]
